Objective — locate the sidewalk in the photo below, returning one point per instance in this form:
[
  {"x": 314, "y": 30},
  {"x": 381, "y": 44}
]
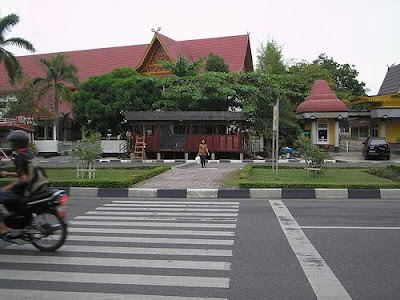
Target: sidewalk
[{"x": 192, "y": 178}]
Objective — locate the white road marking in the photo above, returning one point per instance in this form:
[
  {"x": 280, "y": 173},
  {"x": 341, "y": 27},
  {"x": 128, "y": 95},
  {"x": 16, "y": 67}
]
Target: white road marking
[
  {"x": 123, "y": 279},
  {"x": 323, "y": 281},
  {"x": 51, "y": 295},
  {"x": 133, "y": 250},
  {"x": 176, "y": 202},
  {"x": 351, "y": 227},
  {"x": 134, "y": 213},
  {"x": 172, "y": 205},
  {"x": 197, "y": 219},
  {"x": 151, "y": 231},
  {"x": 175, "y": 209},
  {"x": 152, "y": 224},
  {"x": 116, "y": 262},
  {"x": 152, "y": 240}
]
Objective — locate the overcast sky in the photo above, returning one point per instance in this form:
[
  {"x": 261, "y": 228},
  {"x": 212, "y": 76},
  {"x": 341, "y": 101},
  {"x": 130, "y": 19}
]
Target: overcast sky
[{"x": 364, "y": 33}]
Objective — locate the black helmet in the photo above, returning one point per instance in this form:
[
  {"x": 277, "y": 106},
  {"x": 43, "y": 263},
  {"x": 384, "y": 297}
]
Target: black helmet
[{"x": 18, "y": 138}]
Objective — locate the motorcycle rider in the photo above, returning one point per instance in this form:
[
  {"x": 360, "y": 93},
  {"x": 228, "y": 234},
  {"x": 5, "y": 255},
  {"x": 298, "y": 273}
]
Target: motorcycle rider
[{"x": 14, "y": 191}]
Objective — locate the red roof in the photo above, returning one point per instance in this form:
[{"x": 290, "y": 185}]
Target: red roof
[
  {"x": 321, "y": 99},
  {"x": 234, "y": 49}
]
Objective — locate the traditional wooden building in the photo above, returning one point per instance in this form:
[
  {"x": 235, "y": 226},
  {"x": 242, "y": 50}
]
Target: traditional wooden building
[
  {"x": 143, "y": 58},
  {"x": 178, "y": 134}
]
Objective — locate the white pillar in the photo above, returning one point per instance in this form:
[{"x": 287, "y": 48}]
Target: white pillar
[
  {"x": 314, "y": 131},
  {"x": 337, "y": 131},
  {"x": 383, "y": 128},
  {"x": 54, "y": 132}
]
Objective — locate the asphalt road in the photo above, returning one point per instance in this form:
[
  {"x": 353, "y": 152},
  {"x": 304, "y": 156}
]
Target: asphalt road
[{"x": 214, "y": 249}]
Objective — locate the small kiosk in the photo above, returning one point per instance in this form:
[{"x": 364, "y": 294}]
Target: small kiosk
[
  {"x": 173, "y": 134},
  {"x": 321, "y": 114}
]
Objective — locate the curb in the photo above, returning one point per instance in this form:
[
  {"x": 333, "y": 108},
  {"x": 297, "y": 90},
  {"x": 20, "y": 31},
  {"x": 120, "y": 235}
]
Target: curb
[
  {"x": 278, "y": 193},
  {"x": 211, "y": 161}
]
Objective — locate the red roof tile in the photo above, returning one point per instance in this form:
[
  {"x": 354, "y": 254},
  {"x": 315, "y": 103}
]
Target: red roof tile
[
  {"x": 321, "y": 99},
  {"x": 234, "y": 49}
]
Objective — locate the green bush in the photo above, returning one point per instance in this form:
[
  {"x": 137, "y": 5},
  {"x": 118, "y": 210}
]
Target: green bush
[
  {"x": 149, "y": 171},
  {"x": 254, "y": 176},
  {"x": 391, "y": 172}
]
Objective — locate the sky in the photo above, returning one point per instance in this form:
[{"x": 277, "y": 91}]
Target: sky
[{"x": 358, "y": 32}]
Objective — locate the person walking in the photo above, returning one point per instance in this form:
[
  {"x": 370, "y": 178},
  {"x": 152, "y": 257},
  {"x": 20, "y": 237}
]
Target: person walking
[{"x": 203, "y": 152}]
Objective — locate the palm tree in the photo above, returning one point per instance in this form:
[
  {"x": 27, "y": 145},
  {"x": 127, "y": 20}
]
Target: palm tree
[
  {"x": 58, "y": 73},
  {"x": 10, "y": 62}
]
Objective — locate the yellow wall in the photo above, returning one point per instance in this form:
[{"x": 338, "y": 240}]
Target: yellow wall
[
  {"x": 331, "y": 125},
  {"x": 392, "y": 130}
]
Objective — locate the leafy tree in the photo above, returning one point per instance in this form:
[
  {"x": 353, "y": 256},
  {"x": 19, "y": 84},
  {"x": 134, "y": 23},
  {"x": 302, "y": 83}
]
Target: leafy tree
[
  {"x": 10, "y": 62},
  {"x": 216, "y": 63},
  {"x": 87, "y": 150},
  {"x": 25, "y": 101},
  {"x": 262, "y": 93},
  {"x": 300, "y": 78},
  {"x": 270, "y": 58},
  {"x": 345, "y": 77},
  {"x": 205, "y": 91},
  {"x": 101, "y": 101},
  {"x": 182, "y": 67},
  {"x": 59, "y": 73},
  {"x": 311, "y": 153}
]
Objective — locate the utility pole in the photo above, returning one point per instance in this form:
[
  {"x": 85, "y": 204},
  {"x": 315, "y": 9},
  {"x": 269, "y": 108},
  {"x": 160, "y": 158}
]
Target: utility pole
[{"x": 275, "y": 136}]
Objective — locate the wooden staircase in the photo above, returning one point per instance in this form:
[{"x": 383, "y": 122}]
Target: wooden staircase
[{"x": 139, "y": 153}]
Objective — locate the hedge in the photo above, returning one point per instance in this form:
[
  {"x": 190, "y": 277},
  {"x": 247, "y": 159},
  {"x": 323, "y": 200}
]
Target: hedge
[{"x": 100, "y": 183}]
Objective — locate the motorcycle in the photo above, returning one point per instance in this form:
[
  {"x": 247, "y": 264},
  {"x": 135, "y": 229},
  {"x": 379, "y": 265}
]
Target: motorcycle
[{"x": 39, "y": 220}]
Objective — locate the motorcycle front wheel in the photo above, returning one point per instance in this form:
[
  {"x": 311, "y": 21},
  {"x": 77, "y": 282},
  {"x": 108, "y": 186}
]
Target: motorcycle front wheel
[{"x": 49, "y": 231}]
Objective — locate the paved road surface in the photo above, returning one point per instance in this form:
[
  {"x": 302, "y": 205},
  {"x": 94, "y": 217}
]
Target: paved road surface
[{"x": 214, "y": 249}]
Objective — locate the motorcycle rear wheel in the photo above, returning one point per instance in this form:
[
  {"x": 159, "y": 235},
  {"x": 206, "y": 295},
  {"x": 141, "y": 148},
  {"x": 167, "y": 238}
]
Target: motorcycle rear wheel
[{"x": 50, "y": 231}]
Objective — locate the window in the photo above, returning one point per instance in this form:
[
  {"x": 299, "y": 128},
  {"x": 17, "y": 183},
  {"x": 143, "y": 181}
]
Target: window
[
  {"x": 220, "y": 129},
  {"x": 322, "y": 132},
  {"x": 207, "y": 129},
  {"x": 150, "y": 129},
  {"x": 44, "y": 131},
  {"x": 194, "y": 129}
]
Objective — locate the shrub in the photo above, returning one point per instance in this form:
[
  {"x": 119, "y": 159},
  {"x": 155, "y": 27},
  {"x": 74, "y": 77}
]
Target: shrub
[{"x": 310, "y": 152}]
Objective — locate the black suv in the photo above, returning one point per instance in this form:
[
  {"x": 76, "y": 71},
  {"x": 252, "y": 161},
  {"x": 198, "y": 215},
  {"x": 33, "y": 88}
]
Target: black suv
[{"x": 376, "y": 147}]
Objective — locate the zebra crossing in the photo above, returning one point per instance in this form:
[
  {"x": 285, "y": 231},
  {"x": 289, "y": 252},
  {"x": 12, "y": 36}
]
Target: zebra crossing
[{"x": 131, "y": 250}]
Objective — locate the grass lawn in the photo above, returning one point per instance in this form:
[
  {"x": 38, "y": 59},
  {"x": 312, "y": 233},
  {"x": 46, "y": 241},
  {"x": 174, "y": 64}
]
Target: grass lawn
[
  {"x": 122, "y": 177},
  {"x": 256, "y": 177}
]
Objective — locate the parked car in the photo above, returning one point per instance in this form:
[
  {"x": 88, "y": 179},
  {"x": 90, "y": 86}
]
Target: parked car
[{"x": 376, "y": 147}]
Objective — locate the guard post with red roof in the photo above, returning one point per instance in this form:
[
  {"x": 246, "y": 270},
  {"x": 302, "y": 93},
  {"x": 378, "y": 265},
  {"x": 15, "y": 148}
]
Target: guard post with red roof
[{"x": 321, "y": 114}]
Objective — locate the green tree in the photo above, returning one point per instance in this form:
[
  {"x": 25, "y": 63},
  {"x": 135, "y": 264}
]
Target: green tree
[
  {"x": 182, "y": 67},
  {"x": 101, "y": 102},
  {"x": 205, "y": 91},
  {"x": 347, "y": 85},
  {"x": 11, "y": 64},
  {"x": 87, "y": 150},
  {"x": 262, "y": 93},
  {"x": 300, "y": 78},
  {"x": 59, "y": 73},
  {"x": 216, "y": 63},
  {"x": 311, "y": 153},
  {"x": 25, "y": 102},
  {"x": 270, "y": 58}
]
